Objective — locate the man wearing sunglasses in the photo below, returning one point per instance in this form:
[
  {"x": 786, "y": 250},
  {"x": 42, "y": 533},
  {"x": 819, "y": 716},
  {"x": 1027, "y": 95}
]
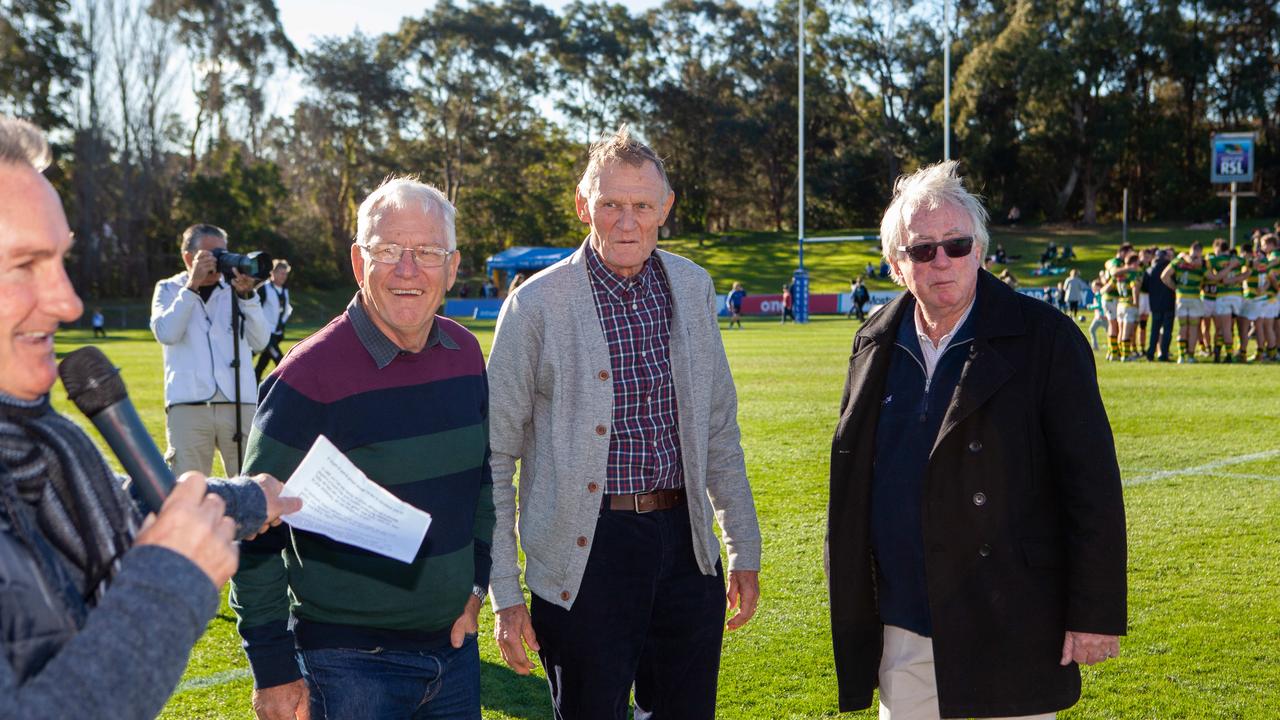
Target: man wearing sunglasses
[
  {"x": 331, "y": 630},
  {"x": 976, "y": 537}
]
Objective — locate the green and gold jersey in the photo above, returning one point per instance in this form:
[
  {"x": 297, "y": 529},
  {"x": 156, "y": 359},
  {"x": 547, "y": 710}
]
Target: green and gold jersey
[
  {"x": 1255, "y": 286},
  {"x": 1219, "y": 263},
  {"x": 1273, "y": 272},
  {"x": 1111, "y": 267},
  {"x": 1126, "y": 280},
  {"x": 1188, "y": 276}
]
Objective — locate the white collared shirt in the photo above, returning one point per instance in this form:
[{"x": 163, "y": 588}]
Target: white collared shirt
[{"x": 927, "y": 349}]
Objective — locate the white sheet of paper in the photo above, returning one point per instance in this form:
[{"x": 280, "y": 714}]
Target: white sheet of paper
[{"x": 341, "y": 502}]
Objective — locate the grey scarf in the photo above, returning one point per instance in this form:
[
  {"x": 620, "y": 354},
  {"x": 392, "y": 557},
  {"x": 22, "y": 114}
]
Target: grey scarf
[{"x": 80, "y": 507}]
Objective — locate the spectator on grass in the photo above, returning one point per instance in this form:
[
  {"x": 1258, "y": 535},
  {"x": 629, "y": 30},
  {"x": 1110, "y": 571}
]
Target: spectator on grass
[
  {"x": 1074, "y": 289},
  {"x": 191, "y": 319},
  {"x": 733, "y": 303},
  {"x": 276, "y": 310},
  {"x": 788, "y": 302},
  {"x": 976, "y": 534},
  {"x": 1099, "y": 314},
  {"x": 331, "y": 629},
  {"x": 618, "y": 482},
  {"x": 100, "y": 609},
  {"x": 858, "y": 298},
  {"x": 99, "y": 323}
]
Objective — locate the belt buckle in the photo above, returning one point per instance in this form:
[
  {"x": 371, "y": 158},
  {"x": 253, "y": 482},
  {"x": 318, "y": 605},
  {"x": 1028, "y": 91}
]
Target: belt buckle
[{"x": 635, "y": 501}]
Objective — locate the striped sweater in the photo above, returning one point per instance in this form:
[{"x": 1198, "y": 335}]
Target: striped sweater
[{"x": 415, "y": 423}]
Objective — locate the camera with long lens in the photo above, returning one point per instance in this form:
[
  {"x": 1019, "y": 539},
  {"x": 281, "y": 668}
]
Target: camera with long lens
[{"x": 256, "y": 264}]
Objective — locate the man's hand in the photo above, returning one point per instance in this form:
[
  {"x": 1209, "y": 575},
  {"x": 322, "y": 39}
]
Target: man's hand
[
  {"x": 283, "y": 702},
  {"x": 467, "y": 622},
  {"x": 513, "y": 629},
  {"x": 244, "y": 285},
  {"x": 203, "y": 266},
  {"x": 744, "y": 594},
  {"x": 1088, "y": 648},
  {"x": 191, "y": 523},
  {"x": 276, "y": 505}
]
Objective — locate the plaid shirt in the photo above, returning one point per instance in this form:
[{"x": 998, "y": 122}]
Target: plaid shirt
[{"x": 635, "y": 314}]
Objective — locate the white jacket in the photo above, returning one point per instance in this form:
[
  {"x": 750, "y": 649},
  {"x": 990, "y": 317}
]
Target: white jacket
[
  {"x": 271, "y": 306},
  {"x": 197, "y": 341}
]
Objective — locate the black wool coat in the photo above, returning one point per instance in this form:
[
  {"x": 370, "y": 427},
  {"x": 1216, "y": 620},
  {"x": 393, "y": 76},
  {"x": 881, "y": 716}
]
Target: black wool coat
[{"x": 1023, "y": 515}]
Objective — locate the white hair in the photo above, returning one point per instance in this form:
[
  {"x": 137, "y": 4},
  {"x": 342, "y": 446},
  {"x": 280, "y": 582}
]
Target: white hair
[
  {"x": 404, "y": 192},
  {"x": 930, "y": 188},
  {"x": 22, "y": 143}
]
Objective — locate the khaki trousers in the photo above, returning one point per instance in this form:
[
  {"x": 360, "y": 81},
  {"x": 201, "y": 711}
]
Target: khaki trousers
[
  {"x": 194, "y": 431},
  {"x": 908, "y": 685}
]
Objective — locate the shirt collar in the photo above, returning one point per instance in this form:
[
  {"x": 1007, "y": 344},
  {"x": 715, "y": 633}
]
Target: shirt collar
[
  {"x": 923, "y": 336},
  {"x": 614, "y": 284},
  {"x": 381, "y": 348}
]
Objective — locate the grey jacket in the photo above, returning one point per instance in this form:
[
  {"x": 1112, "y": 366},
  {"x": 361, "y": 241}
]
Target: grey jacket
[{"x": 551, "y": 405}]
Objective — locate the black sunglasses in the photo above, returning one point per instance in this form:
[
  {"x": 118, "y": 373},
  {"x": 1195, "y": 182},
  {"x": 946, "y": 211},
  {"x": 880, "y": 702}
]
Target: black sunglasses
[{"x": 926, "y": 252}]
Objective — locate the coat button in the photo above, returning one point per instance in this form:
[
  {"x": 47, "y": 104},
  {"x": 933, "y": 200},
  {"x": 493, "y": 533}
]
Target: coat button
[
  {"x": 984, "y": 550},
  {"x": 975, "y": 446},
  {"x": 592, "y": 487},
  {"x": 564, "y": 595},
  {"x": 603, "y": 375},
  {"x": 600, "y": 430},
  {"x": 582, "y": 541},
  {"x": 979, "y": 499}
]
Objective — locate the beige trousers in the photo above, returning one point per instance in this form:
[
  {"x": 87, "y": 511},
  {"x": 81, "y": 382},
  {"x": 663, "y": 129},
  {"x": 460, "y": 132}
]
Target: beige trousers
[
  {"x": 194, "y": 431},
  {"x": 908, "y": 685}
]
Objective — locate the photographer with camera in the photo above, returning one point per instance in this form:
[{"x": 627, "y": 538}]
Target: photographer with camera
[{"x": 209, "y": 388}]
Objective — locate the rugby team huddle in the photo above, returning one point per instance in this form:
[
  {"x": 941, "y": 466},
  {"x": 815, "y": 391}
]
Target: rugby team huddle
[{"x": 1223, "y": 299}]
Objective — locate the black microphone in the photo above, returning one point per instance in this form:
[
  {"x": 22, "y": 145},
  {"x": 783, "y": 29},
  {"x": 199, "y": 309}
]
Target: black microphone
[{"x": 95, "y": 386}]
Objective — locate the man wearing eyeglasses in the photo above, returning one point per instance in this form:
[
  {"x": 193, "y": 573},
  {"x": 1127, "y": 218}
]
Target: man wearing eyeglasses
[
  {"x": 331, "y": 630},
  {"x": 976, "y": 537}
]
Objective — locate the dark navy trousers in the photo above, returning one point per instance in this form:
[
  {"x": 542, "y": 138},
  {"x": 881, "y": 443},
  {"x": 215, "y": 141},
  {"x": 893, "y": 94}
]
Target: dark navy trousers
[{"x": 645, "y": 618}]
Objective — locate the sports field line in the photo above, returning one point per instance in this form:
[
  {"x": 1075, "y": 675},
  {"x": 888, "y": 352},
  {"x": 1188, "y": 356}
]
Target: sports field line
[
  {"x": 1202, "y": 469},
  {"x": 213, "y": 680}
]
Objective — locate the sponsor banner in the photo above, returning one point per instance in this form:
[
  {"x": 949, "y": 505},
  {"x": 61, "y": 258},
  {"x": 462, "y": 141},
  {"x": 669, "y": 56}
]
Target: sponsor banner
[
  {"x": 481, "y": 309},
  {"x": 822, "y": 304},
  {"x": 1232, "y": 155}
]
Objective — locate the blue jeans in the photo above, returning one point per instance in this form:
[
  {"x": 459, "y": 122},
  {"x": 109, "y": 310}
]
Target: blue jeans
[{"x": 379, "y": 684}]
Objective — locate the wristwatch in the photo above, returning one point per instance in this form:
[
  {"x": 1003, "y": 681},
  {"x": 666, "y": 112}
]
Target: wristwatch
[{"x": 480, "y": 592}]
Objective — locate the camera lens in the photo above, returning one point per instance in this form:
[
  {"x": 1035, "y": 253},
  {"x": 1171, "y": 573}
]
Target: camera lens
[{"x": 256, "y": 264}]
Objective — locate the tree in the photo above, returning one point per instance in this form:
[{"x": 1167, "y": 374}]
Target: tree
[{"x": 37, "y": 61}]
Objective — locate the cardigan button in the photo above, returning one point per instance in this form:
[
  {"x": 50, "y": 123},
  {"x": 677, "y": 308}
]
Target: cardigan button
[
  {"x": 564, "y": 595},
  {"x": 979, "y": 499},
  {"x": 603, "y": 375},
  {"x": 601, "y": 430},
  {"x": 975, "y": 446},
  {"x": 582, "y": 541},
  {"x": 984, "y": 550},
  {"x": 592, "y": 487}
]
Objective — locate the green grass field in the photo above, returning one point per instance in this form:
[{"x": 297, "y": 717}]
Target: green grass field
[{"x": 1199, "y": 454}]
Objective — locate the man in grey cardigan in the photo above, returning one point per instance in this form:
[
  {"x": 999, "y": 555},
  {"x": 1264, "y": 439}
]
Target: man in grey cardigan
[{"x": 610, "y": 386}]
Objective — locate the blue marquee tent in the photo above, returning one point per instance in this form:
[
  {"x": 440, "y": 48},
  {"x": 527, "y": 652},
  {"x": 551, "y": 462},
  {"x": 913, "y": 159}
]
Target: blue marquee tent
[{"x": 526, "y": 259}]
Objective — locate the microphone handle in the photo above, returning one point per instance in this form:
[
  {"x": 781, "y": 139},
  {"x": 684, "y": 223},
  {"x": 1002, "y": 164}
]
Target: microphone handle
[{"x": 124, "y": 432}]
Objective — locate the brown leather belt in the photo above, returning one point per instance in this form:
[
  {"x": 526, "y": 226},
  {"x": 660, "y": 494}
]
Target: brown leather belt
[{"x": 647, "y": 502}]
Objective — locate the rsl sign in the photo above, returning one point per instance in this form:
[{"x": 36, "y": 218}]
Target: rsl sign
[{"x": 1233, "y": 155}]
